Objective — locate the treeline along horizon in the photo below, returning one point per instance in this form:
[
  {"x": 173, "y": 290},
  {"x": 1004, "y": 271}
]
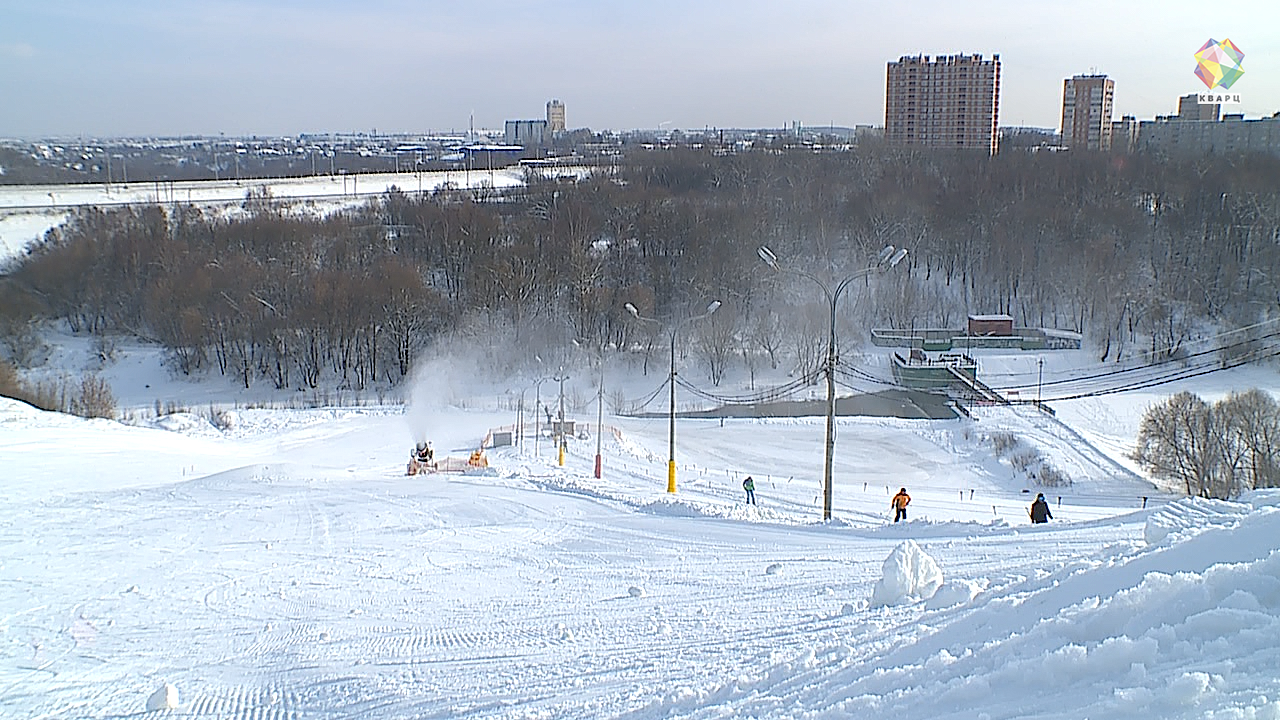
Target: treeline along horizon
[{"x": 1135, "y": 252}]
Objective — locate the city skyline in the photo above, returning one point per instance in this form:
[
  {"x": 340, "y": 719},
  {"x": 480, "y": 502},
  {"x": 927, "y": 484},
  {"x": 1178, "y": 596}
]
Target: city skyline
[{"x": 126, "y": 68}]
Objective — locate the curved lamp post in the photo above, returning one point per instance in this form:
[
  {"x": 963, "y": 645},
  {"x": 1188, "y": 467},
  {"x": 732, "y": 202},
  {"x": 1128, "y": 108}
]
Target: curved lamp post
[
  {"x": 888, "y": 258},
  {"x": 671, "y": 426}
]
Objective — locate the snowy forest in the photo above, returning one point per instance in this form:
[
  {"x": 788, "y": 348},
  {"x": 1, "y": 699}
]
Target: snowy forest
[{"x": 1136, "y": 253}]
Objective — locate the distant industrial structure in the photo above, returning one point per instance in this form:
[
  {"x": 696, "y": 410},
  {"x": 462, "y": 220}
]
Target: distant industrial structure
[
  {"x": 536, "y": 134},
  {"x": 1086, "y": 112},
  {"x": 555, "y": 117},
  {"x": 950, "y": 101},
  {"x": 529, "y": 133}
]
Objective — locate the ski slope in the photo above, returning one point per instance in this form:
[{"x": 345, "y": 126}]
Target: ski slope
[{"x": 287, "y": 568}]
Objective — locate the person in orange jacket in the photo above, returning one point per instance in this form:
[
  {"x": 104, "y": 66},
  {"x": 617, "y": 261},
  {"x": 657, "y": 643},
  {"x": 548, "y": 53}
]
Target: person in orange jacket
[{"x": 899, "y": 504}]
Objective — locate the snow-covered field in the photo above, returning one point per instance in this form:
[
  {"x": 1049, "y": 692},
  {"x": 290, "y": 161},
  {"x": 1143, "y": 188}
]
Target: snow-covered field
[
  {"x": 28, "y": 211},
  {"x": 285, "y": 567}
]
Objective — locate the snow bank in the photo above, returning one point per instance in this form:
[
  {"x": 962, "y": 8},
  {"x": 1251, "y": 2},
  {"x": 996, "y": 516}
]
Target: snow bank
[
  {"x": 908, "y": 575},
  {"x": 1189, "y": 516},
  {"x": 1185, "y": 629}
]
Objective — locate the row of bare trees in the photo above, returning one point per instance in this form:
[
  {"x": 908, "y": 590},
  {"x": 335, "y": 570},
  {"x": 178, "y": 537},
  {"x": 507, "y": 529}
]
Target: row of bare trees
[
  {"x": 1128, "y": 251},
  {"x": 1214, "y": 450}
]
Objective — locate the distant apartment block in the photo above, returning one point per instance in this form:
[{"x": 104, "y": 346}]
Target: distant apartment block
[
  {"x": 555, "y": 117},
  {"x": 1233, "y": 134},
  {"x": 1191, "y": 109},
  {"x": 1124, "y": 134},
  {"x": 950, "y": 101},
  {"x": 1086, "y": 112},
  {"x": 529, "y": 133}
]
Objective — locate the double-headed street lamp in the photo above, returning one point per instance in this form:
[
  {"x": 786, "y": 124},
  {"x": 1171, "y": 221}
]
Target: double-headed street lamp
[
  {"x": 888, "y": 258},
  {"x": 671, "y": 428},
  {"x": 537, "y": 408}
]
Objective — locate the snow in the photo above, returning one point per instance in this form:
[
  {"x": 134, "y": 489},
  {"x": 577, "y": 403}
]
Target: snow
[
  {"x": 280, "y": 564},
  {"x": 20, "y": 229},
  {"x": 28, "y": 211},
  {"x": 909, "y": 575}
]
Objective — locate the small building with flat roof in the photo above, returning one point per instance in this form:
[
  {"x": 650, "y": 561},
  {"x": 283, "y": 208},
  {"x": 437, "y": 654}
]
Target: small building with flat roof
[{"x": 991, "y": 325}]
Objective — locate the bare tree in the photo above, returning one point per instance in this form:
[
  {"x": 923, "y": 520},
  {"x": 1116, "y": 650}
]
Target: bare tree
[
  {"x": 1176, "y": 442},
  {"x": 768, "y": 333},
  {"x": 715, "y": 340},
  {"x": 1253, "y": 421}
]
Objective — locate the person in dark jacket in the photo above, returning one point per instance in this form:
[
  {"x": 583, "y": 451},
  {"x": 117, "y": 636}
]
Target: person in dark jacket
[
  {"x": 899, "y": 505},
  {"x": 1040, "y": 510},
  {"x": 750, "y": 486}
]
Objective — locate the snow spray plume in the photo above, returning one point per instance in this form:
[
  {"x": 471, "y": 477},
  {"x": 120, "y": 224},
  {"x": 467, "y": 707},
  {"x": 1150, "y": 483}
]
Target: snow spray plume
[
  {"x": 454, "y": 372},
  {"x": 438, "y": 383}
]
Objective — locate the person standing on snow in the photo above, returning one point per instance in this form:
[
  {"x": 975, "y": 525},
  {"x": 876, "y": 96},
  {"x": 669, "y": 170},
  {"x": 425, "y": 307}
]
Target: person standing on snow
[
  {"x": 1040, "y": 510},
  {"x": 899, "y": 505},
  {"x": 750, "y": 486}
]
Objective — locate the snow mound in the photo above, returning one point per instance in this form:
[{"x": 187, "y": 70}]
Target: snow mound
[
  {"x": 187, "y": 424},
  {"x": 164, "y": 698},
  {"x": 955, "y": 592},
  {"x": 17, "y": 414},
  {"x": 908, "y": 575}
]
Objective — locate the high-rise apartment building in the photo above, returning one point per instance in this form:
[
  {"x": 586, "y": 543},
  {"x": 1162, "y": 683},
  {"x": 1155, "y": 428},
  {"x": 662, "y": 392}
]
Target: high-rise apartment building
[
  {"x": 1086, "y": 112},
  {"x": 951, "y": 101},
  {"x": 555, "y": 117}
]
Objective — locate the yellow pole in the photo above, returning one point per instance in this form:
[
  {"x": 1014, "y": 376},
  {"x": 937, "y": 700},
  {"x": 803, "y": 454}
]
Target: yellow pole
[{"x": 671, "y": 476}]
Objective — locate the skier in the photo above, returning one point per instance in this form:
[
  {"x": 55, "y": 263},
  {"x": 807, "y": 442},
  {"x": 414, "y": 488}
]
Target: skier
[
  {"x": 899, "y": 504},
  {"x": 750, "y": 486},
  {"x": 1040, "y": 510}
]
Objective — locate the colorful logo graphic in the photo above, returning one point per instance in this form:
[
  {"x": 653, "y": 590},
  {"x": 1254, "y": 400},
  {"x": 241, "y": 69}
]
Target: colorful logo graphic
[{"x": 1218, "y": 64}]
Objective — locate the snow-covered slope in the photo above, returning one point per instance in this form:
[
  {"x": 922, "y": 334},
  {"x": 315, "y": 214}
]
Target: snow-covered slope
[{"x": 288, "y": 568}]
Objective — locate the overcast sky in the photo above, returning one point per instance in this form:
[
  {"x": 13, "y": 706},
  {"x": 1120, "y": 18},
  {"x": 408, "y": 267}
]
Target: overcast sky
[{"x": 152, "y": 67}]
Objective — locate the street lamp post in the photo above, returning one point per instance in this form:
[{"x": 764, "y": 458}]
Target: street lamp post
[
  {"x": 518, "y": 436},
  {"x": 600, "y": 417},
  {"x": 888, "y": 257},
  {"x": 671, "y": 411},
  {"x": 537, "y": 408},
  {"x": 560, "y": 379}
]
